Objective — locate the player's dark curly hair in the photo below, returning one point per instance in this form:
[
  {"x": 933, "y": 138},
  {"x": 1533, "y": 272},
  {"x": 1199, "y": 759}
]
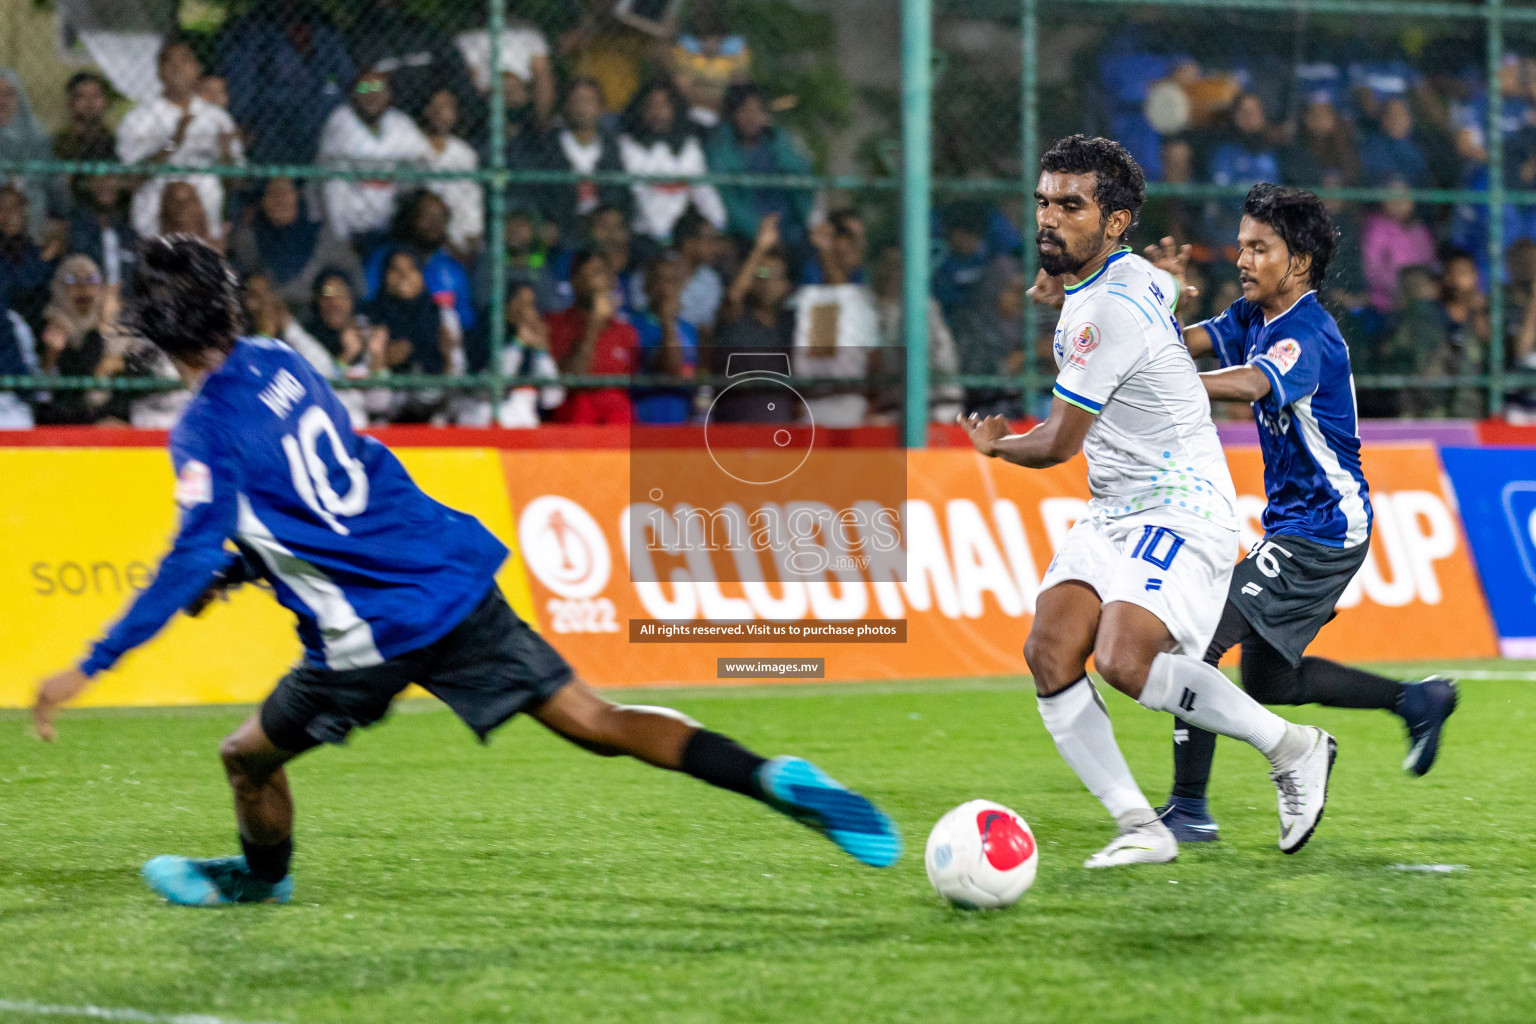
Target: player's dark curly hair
[
  {"x": 1300, "y": 219},
  {"x": 1121, "y": 183},
  {"x": 186, "y": 299}
]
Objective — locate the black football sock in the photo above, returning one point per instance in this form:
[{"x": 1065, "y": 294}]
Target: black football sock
[
  {"x": 1192, "y": 757},
  {"x": 721, "y": 761},
  {"x": 1339, "y": 686},
  {"x": 268, "y": 863}
]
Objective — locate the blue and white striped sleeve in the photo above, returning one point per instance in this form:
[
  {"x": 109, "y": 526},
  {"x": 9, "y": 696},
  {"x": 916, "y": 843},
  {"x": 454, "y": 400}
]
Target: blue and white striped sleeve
[{"x": 1227, "y": 332}]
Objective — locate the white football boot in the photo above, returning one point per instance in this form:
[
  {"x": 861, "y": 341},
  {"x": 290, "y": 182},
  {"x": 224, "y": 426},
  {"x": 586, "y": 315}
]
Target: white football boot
[
  {"x": 1302, "y": 786},
  {"x": 1139, "y": 842}
]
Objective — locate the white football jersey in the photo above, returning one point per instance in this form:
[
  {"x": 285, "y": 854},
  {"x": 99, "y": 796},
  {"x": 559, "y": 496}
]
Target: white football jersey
[{"x": 1121, "y": 356}]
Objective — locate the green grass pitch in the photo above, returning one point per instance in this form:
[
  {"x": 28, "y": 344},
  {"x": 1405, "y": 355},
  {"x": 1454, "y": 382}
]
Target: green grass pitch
[{"x": 528, "y": 881}]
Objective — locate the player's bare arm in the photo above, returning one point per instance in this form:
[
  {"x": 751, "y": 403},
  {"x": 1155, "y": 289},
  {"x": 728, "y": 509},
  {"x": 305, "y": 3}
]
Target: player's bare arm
[
  {"x": 1235, "y": 383},
  {"x": 1049, "y": 444}
]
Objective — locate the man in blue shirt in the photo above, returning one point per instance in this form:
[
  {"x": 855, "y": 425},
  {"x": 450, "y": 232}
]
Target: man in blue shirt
[
  {"x": 389, "y": 588},
  {"x": 1282, "y": 352}
]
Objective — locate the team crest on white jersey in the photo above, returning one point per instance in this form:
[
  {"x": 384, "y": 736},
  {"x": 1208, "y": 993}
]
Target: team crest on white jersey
[{"x": 1084, "y": 340}]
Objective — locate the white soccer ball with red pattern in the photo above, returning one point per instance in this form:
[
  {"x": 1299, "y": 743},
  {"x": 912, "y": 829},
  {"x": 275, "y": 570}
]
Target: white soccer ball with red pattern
[{"x": 981, "y": 856}]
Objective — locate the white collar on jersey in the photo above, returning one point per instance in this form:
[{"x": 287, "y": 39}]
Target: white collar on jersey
[{"x": 1292, "y": 306}]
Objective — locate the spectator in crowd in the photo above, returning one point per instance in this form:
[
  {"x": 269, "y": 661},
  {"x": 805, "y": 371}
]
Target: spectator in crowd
[
  {"x": 465, "y": 199},
  {"x": 756, "y": 321},
  {"x": 524, "y": 55},
  {"x": 1392, "y": 238},
  {"x": 269, "y": 317},
  {"x": 419, "y": 341},
  {"x": 287, "y": 68},
  {"x": 706, "y": 60},
  {"x": 836, "y": 326},
  {"x": 367, "y": 133},
  {"x": 25, "y": 270},
  {"x": 669, "y": 345},
  {"x": 420, "y": 228},
  {"x": 963, "y": 266},
  {"x": 989, "y": 334},
  {"x": 944, "y": 398},
  {"x": 1440, "y": 331},
  {"x": 1324, "y": 145},
  {"x": 18, "y": 358},
  {"x": 525, "y": 260},
  {"x": 524, "y": 354},
  {"x": 99, "y": 226},
  {"x": 182, "y": 213},
  {"x": 524, "y": 130},
  {"x": 414, "y": 52},
  {"x": 22, "y": 137},
  {"x": 748, "y": 142},
  {"x": 1391, "y": 152},
  {"x": 600, "y": 46},
  {"x": 698, "y": 246},
  {"x": 608, "y": 234},
  {"x": 840, "y": 245},
  {"x": 358, "y": 346},
  {"x": 288, "y": 244},
  {"x": 179, "y": 129},
  {"x": 1246, "y": 152},
  {"x": 659, "y": 140},
  {"x": 1165, "y": 216},
  {"x": 1520, "y": 314},
  {"x": 214, "y": 91},
  {"x": 85, "y": 131},
  {"x": 581, "y": 145},
  {"x": 81, "y": 338},
  {"x": 592, "y": 338}
]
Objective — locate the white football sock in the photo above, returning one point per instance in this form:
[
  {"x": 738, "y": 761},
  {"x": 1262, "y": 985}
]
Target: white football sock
[
  {"x": 1201, "y": 695},
  {"x": 1078, "y": 722}
]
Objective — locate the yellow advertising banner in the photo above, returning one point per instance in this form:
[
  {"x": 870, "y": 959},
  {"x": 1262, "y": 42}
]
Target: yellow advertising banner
[{"x": 81, "y": 531}]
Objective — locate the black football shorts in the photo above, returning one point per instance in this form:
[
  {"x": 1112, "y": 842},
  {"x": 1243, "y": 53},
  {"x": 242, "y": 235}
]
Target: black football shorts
[
  {"x": 488, "y": 668},
  {"x": 1287, "y": 588}
]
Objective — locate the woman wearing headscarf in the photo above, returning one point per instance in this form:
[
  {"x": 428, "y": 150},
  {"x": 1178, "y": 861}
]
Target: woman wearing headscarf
[
  {"x": 286, "y": 243},
  {"x": 81, "y": 338},
  {"x": 22, "y": 137}
]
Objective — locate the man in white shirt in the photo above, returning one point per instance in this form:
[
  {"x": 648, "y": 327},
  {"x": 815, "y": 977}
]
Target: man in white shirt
[
  {"x": 178, "y": 129},
  {"x": 1140, "y": 581},
  {"x": 367, "y": 133}
]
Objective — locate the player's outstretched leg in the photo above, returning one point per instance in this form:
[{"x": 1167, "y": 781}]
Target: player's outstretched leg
[
  {"x": 669, "y": 739},
  {"x": 1423, "y": 705},
  {"x": 264, "y": 809},
  {"x": 1062, "y": 637}
]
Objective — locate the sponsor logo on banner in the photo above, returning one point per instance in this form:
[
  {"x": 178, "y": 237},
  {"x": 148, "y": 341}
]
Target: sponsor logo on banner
[
  {"x": 568, "y": 554},
  {"x": 976, "y": 539},
  {"x": 1284, "y": 354}
]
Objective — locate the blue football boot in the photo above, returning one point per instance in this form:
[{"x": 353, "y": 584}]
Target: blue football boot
[
  {"x": 1424, "y": 707},
  {"x": 1189, "y": 820},
  {"x": 811, "y": 796},
  {"x": 212, "y": 883}
]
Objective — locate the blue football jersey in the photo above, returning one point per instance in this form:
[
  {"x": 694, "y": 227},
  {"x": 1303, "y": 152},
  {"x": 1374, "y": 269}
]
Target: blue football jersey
[
  {"x": 1307, "y": 426},
  {"x": 265, "y": 458}
]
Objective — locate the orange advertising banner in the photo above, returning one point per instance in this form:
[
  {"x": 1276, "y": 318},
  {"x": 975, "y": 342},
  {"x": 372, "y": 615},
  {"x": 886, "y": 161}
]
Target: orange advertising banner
[{"x": 978, "y": 535}]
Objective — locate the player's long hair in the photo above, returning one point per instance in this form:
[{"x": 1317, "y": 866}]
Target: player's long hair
[
  {"x": 186, "y": 299},
  {"x": 1302, "y": 222},
  {"x": 1121, "y": 185}
]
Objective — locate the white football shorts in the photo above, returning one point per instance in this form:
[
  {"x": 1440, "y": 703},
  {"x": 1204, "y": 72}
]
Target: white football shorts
[{"x": 1171, "y": 563}]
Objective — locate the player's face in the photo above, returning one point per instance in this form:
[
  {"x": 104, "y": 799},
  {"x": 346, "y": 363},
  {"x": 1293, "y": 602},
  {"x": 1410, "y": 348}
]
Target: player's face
[
  {"x": 1264, "y": 264},
  {"x": 1070, "y": 225}
]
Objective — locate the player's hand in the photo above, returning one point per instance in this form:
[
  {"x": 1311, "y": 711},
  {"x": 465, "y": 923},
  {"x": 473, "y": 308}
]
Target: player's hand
[
  {"x": 1047, "y": 291},
  {"x": 51, "y": 693},
  {"x": 1169, "y": 255},
  {"x": 985, "y": 433}
]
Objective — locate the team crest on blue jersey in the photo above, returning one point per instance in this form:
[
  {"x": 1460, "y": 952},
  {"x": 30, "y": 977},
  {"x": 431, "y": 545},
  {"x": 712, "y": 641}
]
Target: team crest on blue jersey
[
  {"x": 1285, "y": 353},
  {"x": 194, "y": 484}
]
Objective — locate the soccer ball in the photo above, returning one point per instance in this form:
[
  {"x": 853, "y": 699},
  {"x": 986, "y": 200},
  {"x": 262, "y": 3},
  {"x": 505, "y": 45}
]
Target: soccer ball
[{"x": 981, "y": 856}]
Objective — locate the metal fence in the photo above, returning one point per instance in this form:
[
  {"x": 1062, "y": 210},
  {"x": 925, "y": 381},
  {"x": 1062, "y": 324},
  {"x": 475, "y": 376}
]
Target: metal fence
[{"x": 911, "y": 148}]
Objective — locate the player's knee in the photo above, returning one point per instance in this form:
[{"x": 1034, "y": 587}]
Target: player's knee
[
  {"x": 241, "y": 764},
  {"x": 1053, "y": 661},
  {"x": 1123, "y": 665}
]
